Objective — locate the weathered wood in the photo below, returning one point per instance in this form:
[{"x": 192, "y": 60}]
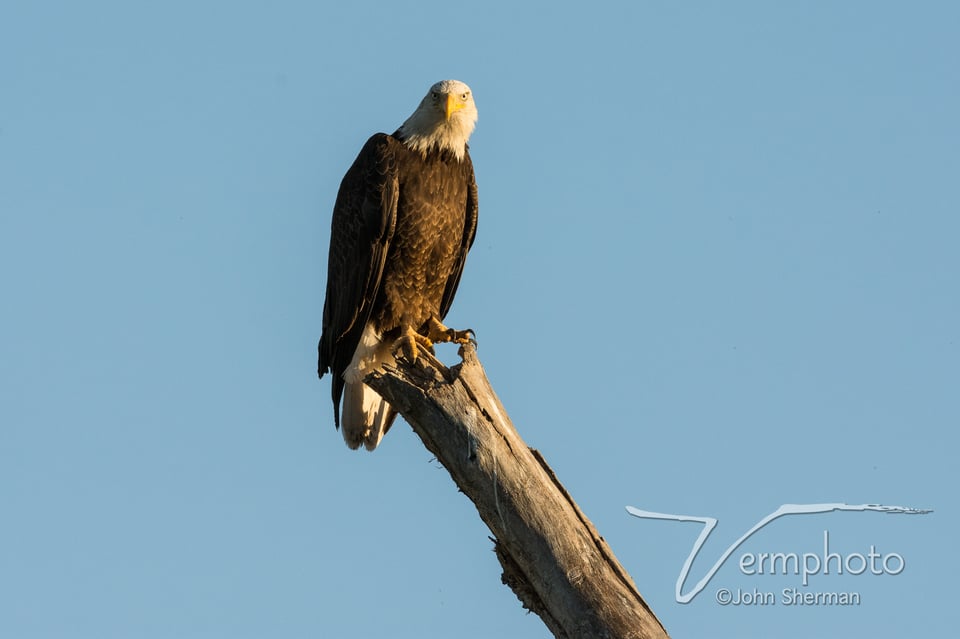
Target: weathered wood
[{"x": 553, "y": 558}]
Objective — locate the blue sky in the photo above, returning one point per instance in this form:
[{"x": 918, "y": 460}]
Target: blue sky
[{"x": 716, "y": 272}]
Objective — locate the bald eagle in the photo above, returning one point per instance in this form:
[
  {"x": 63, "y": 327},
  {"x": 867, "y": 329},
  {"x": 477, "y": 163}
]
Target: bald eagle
[{"x": 404, "y": 219}]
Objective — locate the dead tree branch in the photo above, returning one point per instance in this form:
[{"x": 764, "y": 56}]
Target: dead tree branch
[{"x": 553, "y": 558}]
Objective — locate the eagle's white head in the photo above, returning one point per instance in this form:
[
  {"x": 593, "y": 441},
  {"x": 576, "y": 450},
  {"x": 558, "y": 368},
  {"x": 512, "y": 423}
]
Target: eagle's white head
[{"x": 444, "y": 120}]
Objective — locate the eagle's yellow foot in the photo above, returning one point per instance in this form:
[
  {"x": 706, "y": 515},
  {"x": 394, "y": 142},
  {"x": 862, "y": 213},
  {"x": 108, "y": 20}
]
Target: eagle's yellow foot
[
  {"x": 437, "y": 332},
  {"x": 409, "y": 344}
]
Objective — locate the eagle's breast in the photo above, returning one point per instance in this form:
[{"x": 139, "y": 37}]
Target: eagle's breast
[{"x": 431, "y": 215}]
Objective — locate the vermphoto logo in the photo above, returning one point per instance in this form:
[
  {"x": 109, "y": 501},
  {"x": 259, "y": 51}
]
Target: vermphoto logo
[{"x": 804, "y": 565}]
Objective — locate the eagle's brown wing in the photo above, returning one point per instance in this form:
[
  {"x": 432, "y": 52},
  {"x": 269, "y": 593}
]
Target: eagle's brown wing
[
  {"x": 364, "y": 218},
  {"x": 469, "y": 233}
]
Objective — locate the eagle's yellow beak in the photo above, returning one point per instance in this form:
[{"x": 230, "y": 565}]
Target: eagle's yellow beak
[{"x": 453, "y": 104}]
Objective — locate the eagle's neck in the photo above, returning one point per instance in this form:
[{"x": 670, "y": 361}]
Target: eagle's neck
[{"x": 423, "y": 133}]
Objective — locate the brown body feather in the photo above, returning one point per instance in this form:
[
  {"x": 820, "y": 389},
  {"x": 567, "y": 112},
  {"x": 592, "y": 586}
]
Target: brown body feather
[{"x": 402, "y": 225}]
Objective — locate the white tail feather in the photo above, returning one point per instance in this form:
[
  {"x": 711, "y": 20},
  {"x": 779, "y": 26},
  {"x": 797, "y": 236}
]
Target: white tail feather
[{"x": 365, "y": 415}]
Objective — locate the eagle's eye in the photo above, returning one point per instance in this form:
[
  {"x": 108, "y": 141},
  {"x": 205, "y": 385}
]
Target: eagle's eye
[
  {"x": 464, "y": 96},
  {"x": 436, "y": 96}
]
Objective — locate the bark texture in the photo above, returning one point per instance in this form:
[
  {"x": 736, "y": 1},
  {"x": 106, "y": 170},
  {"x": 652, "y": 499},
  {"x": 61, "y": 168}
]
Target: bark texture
[{"x": 553, "y": 558}]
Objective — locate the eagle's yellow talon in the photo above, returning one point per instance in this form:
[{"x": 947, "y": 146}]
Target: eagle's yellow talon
[
  {"x": 437, "y": 332},
  {"x": 408, "y": 344}
]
